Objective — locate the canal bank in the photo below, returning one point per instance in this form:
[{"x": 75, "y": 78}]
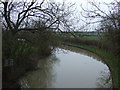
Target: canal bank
[{"x": 109, "y": 59}]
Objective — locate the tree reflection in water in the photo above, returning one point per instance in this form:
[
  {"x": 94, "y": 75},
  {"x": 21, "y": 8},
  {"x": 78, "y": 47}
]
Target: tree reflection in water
[
  {"x": 47, "y": 74},
  {"x": 43, "y": 77},
  {"x": 105, "y": 80},
  {"x": 82, "y": 51}
]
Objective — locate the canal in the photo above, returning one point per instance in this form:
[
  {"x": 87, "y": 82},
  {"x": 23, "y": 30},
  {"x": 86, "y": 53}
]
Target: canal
[{"x": 69, "y": 67}]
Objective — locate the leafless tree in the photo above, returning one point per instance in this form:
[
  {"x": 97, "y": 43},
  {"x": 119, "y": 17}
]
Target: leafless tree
[
  {"x": 18, "y": 15},
  {"x": 96, "y": 13},
  {"x": 108, "y": 20}
]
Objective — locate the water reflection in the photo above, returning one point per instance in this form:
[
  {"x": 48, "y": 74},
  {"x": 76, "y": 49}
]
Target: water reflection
[
  {"x": 43, "y": 77},
  {"x": 82, "y": 51},
  {"x": 104, "y": 80},
  {"x": 68, "y": 69}
]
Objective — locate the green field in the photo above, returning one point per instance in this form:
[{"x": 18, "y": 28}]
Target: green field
[{"x": 82, "y": 35}]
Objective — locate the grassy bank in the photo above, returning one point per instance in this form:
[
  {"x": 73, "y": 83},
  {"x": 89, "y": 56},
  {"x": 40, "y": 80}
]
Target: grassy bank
[{"x": 110, "y": 59}]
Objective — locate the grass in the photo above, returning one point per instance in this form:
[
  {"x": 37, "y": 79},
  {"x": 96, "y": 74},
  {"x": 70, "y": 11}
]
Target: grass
[
  {"x": 90, "y": 37},
  {"x": 108, "y": 58},
  {"x": 83, "y": 35}
]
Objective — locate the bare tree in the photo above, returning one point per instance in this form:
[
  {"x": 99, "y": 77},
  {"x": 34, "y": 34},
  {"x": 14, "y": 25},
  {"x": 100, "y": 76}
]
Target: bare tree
[
  {"x": 96, "y": 14},
  {"x": 18, "y": 15},
  {"x": 108, "y": 20}
]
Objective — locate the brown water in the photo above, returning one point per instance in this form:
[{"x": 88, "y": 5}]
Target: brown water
[{"x": 69, "y": 68}]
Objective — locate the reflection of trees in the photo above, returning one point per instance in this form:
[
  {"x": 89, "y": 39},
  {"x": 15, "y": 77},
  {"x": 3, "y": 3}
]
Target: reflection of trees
[
  {"x": 82, "y": 51},
  {"x": 104, "y": 81},
  {"x": 61, "y": 50},
  {"x": 42, "y": 77}
]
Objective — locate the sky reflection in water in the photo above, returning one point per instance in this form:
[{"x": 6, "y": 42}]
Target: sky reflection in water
[{"x": 68, "y": 69}]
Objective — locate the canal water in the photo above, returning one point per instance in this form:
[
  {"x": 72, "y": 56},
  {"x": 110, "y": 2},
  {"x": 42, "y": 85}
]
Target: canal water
[{"x": 69, "y": 67}]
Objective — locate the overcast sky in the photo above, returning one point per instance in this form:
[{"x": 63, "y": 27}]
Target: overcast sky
[
  {"x": 77, "y": 5},
  {"x": 87, "y": 6},
  {"x": 73, "y": 1}
]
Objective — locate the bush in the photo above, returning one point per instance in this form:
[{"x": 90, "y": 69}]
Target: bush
[{"x": 22, "y": 51}]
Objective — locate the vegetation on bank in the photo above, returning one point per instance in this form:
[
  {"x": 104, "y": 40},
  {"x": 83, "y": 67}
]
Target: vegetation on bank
[{"x": 21, "y": 53}]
